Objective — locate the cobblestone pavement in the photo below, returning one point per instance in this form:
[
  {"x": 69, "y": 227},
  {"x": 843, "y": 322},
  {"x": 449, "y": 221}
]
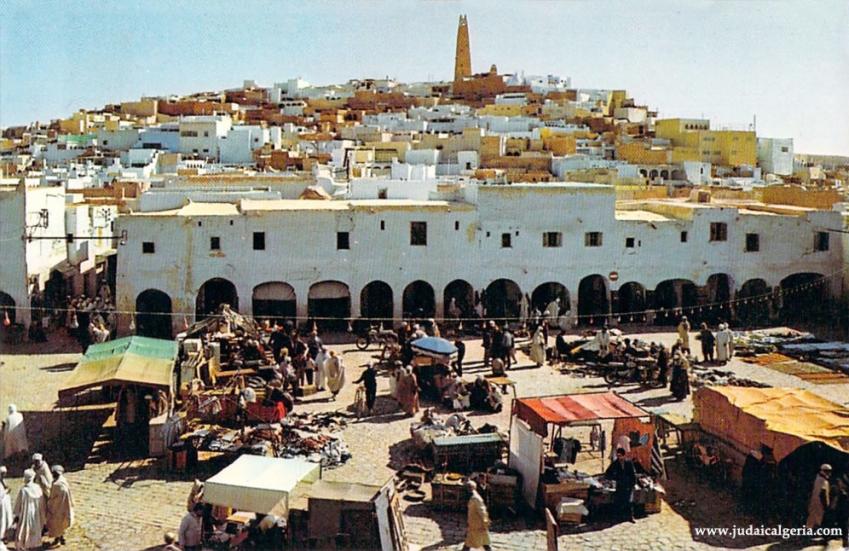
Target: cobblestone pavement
[{"x": 129, "y": 505}]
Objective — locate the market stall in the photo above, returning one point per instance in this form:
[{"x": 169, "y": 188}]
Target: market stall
[
  {"x": 139, "y": 373},
  {"x": 255, "y": 487},
  {"x": 542, "y": 452}
]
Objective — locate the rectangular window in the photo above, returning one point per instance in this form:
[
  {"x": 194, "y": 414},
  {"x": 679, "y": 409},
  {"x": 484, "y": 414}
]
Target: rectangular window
[
  {"x": 69, "y": 238},
  {"x": 148, "y": 247},
  {"x": 418, "y": 233},
  {"x": 592, "y": 239},
  {"x": 753, "y": 242},
  {"x": 343, "y": 240},
  {"x": 683, "y": 237},
  {"x": 552, "y": 239},
  {"x": 718, "y": 231},
  {"x": 629, "y": 242},
  {"x": 259, "y": 240},
  {"x": 456, "y": 225},
  {"x": 214, "y": 243},
  {"x": 506, "y": 241},
  {"x": 382, "y": 225},
  {"x": 821, "y": 241}
]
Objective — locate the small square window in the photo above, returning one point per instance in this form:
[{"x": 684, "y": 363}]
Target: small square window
[
  {"x": 629, "y": 242},
  {"x": 148, "y": 247},
  {"x": 718, "y": 231},
  {"x": 683, "y": 237},
  {"x": 593, "y": 239},
  {"x": 259, "y": 240},
  {"x": 343, "y": 240},
  {"x": 506, "y": 241},
  {"x": 821, "y": 241},
  {"x": 753, "y": 242},
  {"x": 552, "y": 239},
  {"x": 214, "y": 243},
  {"x": 418, "y": 233}
]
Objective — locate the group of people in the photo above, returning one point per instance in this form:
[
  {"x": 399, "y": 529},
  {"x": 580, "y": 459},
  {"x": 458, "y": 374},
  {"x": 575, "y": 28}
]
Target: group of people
[
  {"x": 43, "y": 505},
  {"x": 91, "y": 320}
]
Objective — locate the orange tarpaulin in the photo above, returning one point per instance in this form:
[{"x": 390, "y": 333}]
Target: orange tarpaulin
[
  {"x": 781, "y": 418},
  {"x": 565, "y": 409}
]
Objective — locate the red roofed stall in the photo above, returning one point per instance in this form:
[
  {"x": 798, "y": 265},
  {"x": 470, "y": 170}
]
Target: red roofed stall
[{"x": 532, "y": 442}]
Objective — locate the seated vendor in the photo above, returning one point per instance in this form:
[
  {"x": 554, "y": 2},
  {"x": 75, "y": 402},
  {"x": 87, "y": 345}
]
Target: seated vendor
[{"x": 483, "y": 396}]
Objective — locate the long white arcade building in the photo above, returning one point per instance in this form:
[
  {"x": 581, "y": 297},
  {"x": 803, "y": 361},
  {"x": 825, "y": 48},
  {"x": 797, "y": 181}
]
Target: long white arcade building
[{"x": 376, "y": 257}]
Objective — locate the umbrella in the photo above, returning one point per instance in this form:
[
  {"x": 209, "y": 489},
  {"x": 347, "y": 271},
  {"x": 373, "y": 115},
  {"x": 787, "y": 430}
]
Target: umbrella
[{"x": 434, "y": 346}]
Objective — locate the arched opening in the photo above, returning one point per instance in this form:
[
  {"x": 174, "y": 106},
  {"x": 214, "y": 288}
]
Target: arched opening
[
  {"x": 7, "y": 307},
  {"x": 753, "y": 301},
  {"x": 419, "y": 300},
  {"x": 463, "y": 295},
  {"x": 678, "y": 174},
  {"x": 153, "y": 315},
  {"x": 672, "y": 295},
  {"x": 503, "y": 299},
  {"x": 630, "y": 302},
  {"x": 329, "y": 303},
  {"x": 644, "y": 173},
  {"x": 544, "y": 294},
  {"x": 376, "y": 302},
  {"x": 803, "y": 296},
  {"x": 274, "y": 300},
  {"x": 593, "y": 302},
  {"x": 653, "y": 174},
  {"x": 214, "y": 293},
  {"x": 664, "y": 174},
  {"x": 718, "y": 297}
]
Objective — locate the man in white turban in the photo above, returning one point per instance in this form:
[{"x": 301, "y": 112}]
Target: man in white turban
[
  {"x": 31, "y": 512},
  {"x": 14, "y": 433},
  {"x": 43, "y": 476},
  {"x": 60, "y": 507}
]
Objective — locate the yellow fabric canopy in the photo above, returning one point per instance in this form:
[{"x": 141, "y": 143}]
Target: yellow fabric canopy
[
  {"x": 135, "y": 360},
  {"x": 781, "y": 418}
]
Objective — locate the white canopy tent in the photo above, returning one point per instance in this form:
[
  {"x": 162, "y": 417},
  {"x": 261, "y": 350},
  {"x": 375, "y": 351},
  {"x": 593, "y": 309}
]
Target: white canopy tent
[{"x": 259, "y": 484}]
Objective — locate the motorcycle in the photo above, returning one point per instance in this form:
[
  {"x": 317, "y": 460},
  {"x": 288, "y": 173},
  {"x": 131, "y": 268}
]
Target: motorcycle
[{"x": 376, "y": 335}]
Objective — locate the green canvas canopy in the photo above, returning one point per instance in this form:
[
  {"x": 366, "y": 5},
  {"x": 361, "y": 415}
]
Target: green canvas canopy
[{"x": 133, "y": 360}]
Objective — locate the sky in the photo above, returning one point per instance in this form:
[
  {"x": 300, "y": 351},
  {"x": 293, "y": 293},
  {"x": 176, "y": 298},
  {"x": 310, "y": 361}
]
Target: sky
[{"x": 785, "y": 61}]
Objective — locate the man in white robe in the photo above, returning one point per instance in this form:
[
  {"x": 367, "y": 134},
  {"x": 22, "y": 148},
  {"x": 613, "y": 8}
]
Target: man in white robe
[
  {"x": 552, "y": 311},
  {"x": 31, "y": 512},
  {"x": 60, "y": 507},
  {"x": 14, "y": 433},
  {"x": 723, "y": 343},
  {"x": 538, "y": 347},
  {"x": 43, "y": 476},
  {"x": 7, "y": 519}
]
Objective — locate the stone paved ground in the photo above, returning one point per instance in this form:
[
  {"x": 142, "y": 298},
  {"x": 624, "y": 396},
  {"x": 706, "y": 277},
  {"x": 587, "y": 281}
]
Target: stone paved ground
[{"x": 128, "y": 505}]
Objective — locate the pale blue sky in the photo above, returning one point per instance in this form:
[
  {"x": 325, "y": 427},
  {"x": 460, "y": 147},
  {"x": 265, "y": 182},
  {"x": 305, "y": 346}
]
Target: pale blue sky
[{"x": 786, "y": 61}]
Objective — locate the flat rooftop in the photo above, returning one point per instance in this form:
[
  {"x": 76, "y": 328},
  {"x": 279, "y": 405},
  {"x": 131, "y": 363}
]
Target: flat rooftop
[{"x": 246, "y": 206}]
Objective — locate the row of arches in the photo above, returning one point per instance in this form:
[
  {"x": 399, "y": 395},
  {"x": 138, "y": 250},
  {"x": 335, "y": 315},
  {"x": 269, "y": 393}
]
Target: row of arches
[{"x": 503, "y": 298}]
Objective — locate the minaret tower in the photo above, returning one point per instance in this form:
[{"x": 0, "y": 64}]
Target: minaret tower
[{"x": 463, "y": 57}]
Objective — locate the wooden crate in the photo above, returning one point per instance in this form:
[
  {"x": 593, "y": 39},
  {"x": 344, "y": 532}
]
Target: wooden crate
[
  {"x": 448, "y": 494},
  {"x": 502, "y": 492}
]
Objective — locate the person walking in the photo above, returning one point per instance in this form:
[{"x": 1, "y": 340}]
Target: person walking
[
  {"x": 30, "y": 513},
  {"x": 477, "y": 519},
  {"x": 538, "y": 348},
  {"x": 680, "y": 384},
  {"x": 461, "y": 354},
  {"x": 684, "y": 333},
  {"x": 335, "y": 371},
  {"x": 14, "y": 433},
  {"x": 191, "y": 529},
  {"x": 7, "y": 518},
  {"x": 60, "y": 507},
  {"x": 369, "y": 380}
]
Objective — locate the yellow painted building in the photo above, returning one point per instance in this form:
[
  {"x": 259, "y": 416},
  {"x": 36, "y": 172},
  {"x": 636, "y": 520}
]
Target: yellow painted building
[
  {"x": 719, "y": 147},
  {"x": 640, "y": 153}
]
